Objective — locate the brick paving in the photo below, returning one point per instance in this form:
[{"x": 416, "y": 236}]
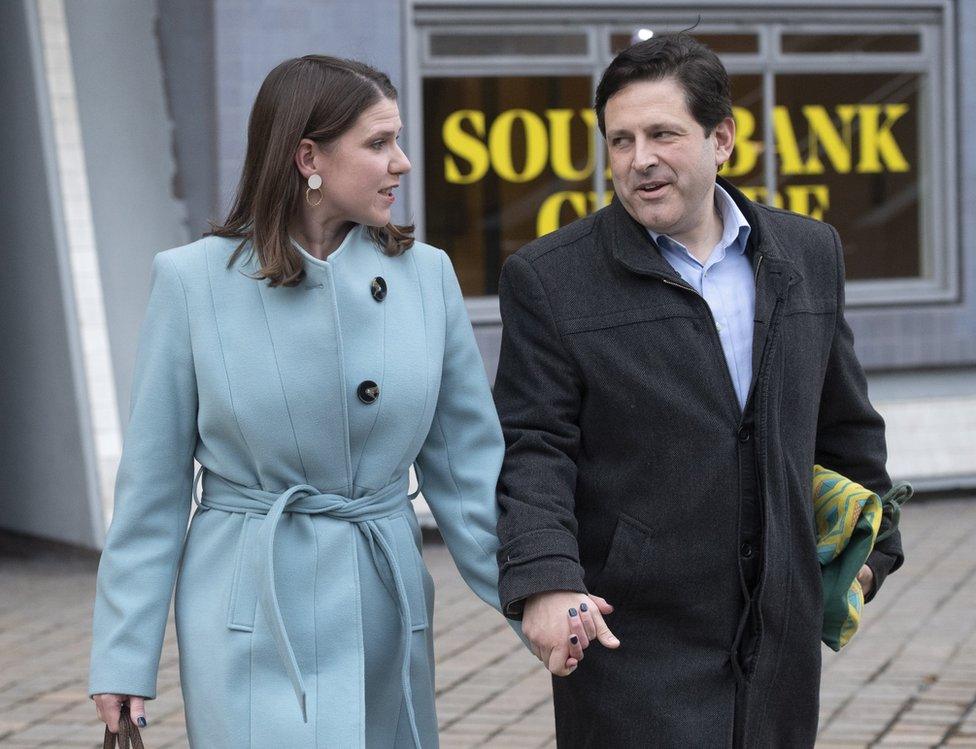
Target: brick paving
[{"x": 907, "y": 680}]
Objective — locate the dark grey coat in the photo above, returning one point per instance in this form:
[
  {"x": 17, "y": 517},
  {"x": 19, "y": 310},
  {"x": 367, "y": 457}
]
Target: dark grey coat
[{"x": 622, "y": 476}]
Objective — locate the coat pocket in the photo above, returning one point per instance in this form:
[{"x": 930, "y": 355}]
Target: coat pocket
[
  {"x": 411, "y": 569},
  {"x": 243, "y": 591},
  {"x": 615, "y": 580}
]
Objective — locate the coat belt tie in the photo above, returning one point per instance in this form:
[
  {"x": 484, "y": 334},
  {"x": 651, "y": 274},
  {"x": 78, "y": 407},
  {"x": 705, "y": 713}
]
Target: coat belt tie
[{"x": 364, "y": 512}]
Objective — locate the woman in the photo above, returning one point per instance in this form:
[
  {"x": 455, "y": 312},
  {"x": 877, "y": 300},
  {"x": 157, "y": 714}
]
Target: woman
[{"x": 305, "y": 354}]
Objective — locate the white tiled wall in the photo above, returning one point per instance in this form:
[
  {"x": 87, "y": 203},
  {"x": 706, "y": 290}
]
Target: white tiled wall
[{"x": 82, "y": 251}]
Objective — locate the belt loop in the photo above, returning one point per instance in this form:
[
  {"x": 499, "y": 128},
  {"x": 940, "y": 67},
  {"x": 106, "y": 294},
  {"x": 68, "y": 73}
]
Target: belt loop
[
  {"x": 420, "y": 482},
  {"x": 197, "y": 485}
]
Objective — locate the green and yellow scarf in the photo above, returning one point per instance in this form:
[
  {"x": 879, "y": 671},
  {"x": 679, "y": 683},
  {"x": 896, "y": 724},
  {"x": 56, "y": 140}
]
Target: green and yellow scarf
[{"x": 849, "y": 520}]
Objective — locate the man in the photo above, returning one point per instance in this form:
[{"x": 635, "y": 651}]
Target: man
[{"x": 671, "y": 368}]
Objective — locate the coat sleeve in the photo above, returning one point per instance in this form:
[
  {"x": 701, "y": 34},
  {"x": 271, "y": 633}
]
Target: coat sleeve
[
  {"x": 538, "y": 394},
  {"x": 138, "y": 566},
  {"x": 462, "y": 454},
  {"x": 850, "y": 433}
]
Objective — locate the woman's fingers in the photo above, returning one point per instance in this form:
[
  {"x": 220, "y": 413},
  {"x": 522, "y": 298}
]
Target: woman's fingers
[
  {"x": 575, "y": 649},
  {"x": 587, "y": 620},
  {"x": 578, "y": 627},
  {"x": 137, "y": 711},
  {"x": 108, "y": 707}
]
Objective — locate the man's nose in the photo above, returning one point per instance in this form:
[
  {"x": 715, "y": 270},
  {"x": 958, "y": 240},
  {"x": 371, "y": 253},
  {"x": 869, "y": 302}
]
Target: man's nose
[{"x": 645, "y": 156}]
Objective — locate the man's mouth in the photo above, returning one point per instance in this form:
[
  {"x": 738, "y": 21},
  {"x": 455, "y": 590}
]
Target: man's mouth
[{"x": 652, "y": 188}]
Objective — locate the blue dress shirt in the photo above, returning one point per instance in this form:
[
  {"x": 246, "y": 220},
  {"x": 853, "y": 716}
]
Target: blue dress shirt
[{"x": 726, "y": 283}]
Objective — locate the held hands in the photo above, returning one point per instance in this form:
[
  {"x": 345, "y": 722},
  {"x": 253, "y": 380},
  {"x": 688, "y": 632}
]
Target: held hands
[
  {"x": 108, "y": 707},
  {"x": 560, "y": 624}
]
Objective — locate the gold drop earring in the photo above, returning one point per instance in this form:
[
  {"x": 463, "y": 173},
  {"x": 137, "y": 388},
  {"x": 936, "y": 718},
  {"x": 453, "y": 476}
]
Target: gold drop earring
[{"x": 314, "y": 183}]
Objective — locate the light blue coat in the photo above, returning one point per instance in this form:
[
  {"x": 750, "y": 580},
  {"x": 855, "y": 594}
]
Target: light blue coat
[{"x": 303, "y": 607}]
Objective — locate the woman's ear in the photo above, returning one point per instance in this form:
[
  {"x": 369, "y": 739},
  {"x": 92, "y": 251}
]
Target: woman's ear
[{"x": 305, "y": 156}]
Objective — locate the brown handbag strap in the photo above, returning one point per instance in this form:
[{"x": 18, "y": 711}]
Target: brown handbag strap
[{"x": 128, "y": 736}]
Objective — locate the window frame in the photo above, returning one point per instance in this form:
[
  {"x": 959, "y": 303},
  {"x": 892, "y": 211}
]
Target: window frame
[{"x": 939, "y": 280}]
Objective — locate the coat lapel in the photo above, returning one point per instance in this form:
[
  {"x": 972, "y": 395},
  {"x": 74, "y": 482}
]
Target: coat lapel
[
  {"x": 773, "y": 272},
  {"x": 633, "y": 247}
]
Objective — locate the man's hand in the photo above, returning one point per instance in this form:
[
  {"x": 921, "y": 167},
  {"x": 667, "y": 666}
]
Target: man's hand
[
  {"x": 866, "y": 578},
  {"x": 550, "y": 619}
]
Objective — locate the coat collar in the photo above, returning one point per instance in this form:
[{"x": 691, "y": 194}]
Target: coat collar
[{"x": 633, "y": 247}]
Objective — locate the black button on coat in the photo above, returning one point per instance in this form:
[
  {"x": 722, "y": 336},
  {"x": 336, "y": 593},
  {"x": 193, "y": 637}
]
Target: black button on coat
[{"x": 621, "y": 475}]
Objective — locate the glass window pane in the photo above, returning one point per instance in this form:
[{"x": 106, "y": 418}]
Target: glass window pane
[
  {"x": 718, "y": 43},
  {"x": 483, "y": 45},
  {"x": 506, "y": 159},
  {"x": 847, "y": 149},
  {"x": 820, "y": 43}
]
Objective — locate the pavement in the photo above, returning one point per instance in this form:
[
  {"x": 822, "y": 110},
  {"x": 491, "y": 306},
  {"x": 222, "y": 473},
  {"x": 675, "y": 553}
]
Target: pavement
[{"x": 908, "y": 679}]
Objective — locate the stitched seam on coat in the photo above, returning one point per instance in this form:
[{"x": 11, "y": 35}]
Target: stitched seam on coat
[
  {"x": 281, "y": 383},
  {"x": 379, "y": 410},
  {"x": 447, "y": 448},
  {"x": 223, "y": 358},
  {"x": 357, "y": 591},
  {"x": 552, "y": 322},
  {"x": 188, "y": 478},
  {"x": 315, "y": 624},
  {"x": 425, "y": 329}
]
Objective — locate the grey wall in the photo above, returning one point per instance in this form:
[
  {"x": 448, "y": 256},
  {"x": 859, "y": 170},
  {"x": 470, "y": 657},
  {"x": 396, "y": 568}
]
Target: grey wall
[
  {"x": 250, "y": 39},
  {"x": 186, "y": 42},
  {"x": 44, "y": 485},
  {"x": 127, "y": 135}
]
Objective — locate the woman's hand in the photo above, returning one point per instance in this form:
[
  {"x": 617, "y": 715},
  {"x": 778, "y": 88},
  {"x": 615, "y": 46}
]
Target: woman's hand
[
  {"x": 109, "y": 706},
  {"x": 550, "y": 626}
]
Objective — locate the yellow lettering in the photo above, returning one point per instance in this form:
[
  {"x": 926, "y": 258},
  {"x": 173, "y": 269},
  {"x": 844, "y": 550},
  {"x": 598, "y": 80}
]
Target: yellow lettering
[
  {"x": 746, "y": 152},
  {"x": 822, "y": 132},
  {"x": 787, "y": 147},
  {"x": 466, "y": 146},
  {"x": 536, "y": 145},
  {"x": 547, "y": 220},
  {"x": 877, "y": 143},
  {"x": 759, "y": 194},
  {"x": 560, "y": 143},
  {"x": 810, "y": 200}
]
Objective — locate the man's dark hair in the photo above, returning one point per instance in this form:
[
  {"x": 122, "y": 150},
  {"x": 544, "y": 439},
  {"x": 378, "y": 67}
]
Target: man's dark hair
[{"x": 694, "y": 66}]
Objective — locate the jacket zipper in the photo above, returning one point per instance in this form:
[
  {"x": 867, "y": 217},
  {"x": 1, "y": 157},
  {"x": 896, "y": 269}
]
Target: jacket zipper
[{"x": 715, "y": 339}]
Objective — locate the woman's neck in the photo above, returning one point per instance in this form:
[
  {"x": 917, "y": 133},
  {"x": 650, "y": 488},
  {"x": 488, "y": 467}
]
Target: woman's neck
[{"x": 319, "y": 238}]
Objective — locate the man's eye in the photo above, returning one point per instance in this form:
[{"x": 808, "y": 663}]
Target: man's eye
[{"x": 377, "y": 144}]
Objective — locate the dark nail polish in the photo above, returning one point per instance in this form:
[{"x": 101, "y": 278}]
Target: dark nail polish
[
  {"x": 573, "y": 612},
  {"x": 574, "y": 639},
  {"x": 141, "y": 721},
  {"x": 584, "y": 607}
]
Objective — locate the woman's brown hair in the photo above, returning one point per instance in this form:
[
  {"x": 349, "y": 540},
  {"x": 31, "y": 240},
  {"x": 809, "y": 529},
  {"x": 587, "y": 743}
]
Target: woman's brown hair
[{"x": 316, "y": 97}]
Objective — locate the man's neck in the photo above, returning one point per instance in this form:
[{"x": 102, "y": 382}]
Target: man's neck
[{"x": 702, "y": 239}]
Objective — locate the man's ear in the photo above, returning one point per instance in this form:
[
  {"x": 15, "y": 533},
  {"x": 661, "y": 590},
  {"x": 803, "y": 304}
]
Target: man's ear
[{"x": 724, "y": 134}]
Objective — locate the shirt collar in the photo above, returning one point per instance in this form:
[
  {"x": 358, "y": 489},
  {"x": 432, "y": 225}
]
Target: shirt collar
[{"x": 735, "y": 227}]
